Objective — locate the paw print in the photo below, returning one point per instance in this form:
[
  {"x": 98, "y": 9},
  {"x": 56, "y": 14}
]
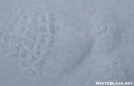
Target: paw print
[{"x": 107, "y": 32}]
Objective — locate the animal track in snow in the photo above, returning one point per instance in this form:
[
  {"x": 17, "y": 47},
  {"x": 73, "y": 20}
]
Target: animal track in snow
[{"x": 107, "y": 31}]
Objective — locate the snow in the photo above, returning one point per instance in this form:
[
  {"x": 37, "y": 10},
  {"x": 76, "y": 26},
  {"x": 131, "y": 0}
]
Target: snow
[{"x": 66, "y": 42}]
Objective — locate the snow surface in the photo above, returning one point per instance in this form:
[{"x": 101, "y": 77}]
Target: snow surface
[{"x": 66, "y": 42}]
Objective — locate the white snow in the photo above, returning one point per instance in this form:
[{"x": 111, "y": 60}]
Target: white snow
[{"x": 66, "y": 42}]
